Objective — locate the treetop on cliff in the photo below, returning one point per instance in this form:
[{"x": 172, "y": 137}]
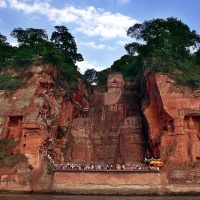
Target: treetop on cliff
[
  {"x": 65, "y": 42},
  {"x": 30, "y": 36},
  {"x": 160, "y": 34},
  {"x": 161, "y": 45},
  {"x": 33, "y": 44},
  {"x": 167, "y": 45}
]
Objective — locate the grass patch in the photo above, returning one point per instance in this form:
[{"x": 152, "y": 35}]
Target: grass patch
[{"x": 6, "y": 156}]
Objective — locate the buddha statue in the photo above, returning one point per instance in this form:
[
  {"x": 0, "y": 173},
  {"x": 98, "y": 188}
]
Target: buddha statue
[
  {"x": 112, "y": 132},
  {"x": 117, "y": 132}
]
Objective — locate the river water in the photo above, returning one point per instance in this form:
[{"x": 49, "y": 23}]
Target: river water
[{"x": 82, "y": 197}]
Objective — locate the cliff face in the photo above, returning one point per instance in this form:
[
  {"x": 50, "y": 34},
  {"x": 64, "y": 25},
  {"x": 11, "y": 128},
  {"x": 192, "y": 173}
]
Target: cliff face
[
  {"x": 173, "y": 116},
  {"x": 32, "y": 114},
  {"x": 99, "y": 128}
]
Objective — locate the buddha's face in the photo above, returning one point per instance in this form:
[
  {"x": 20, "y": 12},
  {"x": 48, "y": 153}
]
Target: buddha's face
[{"x": 115, "y": 82}]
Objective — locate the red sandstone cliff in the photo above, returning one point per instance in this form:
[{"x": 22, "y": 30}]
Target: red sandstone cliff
[
  {"x": 39, "y": 114},
  {"x": 173, "y": 116},
  {"x": 32, "y": 115}
]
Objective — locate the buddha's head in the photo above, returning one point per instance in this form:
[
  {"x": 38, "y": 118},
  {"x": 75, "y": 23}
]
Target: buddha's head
[{"x": 115, "y": 82}]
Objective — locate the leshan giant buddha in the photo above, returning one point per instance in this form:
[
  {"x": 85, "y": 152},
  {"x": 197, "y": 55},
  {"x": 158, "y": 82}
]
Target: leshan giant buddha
[
  {"x": 112, "y": 133},
  {"x": 117, "y": 128}
]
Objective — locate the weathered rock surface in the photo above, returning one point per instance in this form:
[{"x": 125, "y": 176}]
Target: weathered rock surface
[
  {"x": 112, "y": 133},
  {"x": 33, "y": 113},
  {"x": 102, "y": 128},
  {"x": 173, "y": 116}
]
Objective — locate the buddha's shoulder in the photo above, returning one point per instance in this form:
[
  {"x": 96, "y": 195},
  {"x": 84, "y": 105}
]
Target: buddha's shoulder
[{"x": 96, "y": 98}]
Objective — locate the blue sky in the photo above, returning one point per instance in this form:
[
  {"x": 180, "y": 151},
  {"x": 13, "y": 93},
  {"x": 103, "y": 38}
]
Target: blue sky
[{"x": 98, "y": 26}]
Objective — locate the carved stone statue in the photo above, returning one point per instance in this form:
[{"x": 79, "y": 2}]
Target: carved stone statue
[
  {"x": 117, "y": 123},
  {"x": 183, "y": 143},
  {"x": 194, "y": 141},
  {"x": 115, "y": 134},
  {"x": 80, "y": 148}
]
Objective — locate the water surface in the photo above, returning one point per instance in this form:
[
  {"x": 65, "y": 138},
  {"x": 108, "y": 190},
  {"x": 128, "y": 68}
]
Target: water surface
[{"x": 92, "y": 197}]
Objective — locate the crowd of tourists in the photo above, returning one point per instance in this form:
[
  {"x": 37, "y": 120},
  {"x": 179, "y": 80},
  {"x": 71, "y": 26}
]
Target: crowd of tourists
[{"x": 92, "y": 167}]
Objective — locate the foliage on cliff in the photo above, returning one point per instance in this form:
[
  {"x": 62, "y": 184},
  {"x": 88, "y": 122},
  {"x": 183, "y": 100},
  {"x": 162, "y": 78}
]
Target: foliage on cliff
[
  {"x": 166, "y": 47},
  {"x": 35, "y": 48},
  {"x": 9, "y": 82},
  {"x": 6, "y": 156}
]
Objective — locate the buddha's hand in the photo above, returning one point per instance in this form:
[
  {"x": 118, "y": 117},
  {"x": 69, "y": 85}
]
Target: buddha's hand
[
  {"x": 80, "y": 123},
  {"x": 133, "y": 122}
]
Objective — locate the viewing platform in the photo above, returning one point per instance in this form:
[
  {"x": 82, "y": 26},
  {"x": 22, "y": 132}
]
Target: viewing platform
[{"x": 105, "y": 171}]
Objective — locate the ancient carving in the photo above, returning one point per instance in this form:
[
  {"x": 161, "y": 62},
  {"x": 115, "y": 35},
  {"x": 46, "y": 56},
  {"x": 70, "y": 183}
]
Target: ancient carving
[
  {"x": 114, "y": 118},
  {"x": 13, "y": 181},
  {"x": 13, "y": 127},
  {"x": 80, "y": 148},
  {"x": 194, "y": 139},
  {"x": 115, "y": 82},
  {"x": 174, "y": 120}
]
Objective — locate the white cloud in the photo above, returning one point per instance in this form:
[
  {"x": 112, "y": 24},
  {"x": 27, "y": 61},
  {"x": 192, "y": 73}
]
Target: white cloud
[
  {"x": 91, "y": 21},
  {"x": 23, "y": 6},
  {"x": 3, "y": 4},
  {"x": 105, "y": 24},
  {"x": 124, "y": 1},
  {"x": 125, "y": 41},
  {"x": 84, "y": 65},
  {"x": 93, "y": 45}
]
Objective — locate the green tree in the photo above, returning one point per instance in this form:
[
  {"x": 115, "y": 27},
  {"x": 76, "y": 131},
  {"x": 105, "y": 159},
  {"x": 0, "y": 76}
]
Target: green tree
[
  {"x": 102, "y": 76},
  {"x": 91, "y": 76},
  {"x": 61, "y": 51},
  {"x": 66, "y": 48},
  {"x": 23, "y": 56},
  {"x": 30, "y": 37},
  {"x": 128, "y": 65},
  {"x": 51, "y": 54},
  {"x": 132, "y": 48},
  {"x": 165, "y": 47},
  {"x": 6, "y": 50},
  {"x": 169, "y": 35},
  {"x": 197, "y": 57},
  {"x": 65, "y": 42},
  {"x": 7, "y": 82},
  {"x": 3, "y": 39}
]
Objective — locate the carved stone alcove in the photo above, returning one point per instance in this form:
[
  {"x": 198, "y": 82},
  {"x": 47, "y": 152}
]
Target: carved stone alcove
[{"x": 13, "y": 126}]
